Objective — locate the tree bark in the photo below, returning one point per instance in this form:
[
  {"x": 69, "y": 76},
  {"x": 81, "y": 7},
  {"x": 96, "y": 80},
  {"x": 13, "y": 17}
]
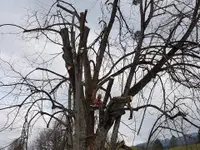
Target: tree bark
[{"x": 115, "y": 133}]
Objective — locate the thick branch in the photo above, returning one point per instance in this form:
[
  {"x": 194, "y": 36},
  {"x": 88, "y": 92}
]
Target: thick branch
[
  {"x": 153, "y": 72},
  {"x": 104, "y": 41}
]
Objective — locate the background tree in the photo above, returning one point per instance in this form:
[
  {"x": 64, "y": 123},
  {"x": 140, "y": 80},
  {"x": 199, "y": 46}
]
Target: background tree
[
  {"x": 50, "y": 140},
  {"x": 157, "y": 145},
  {"x": 157, "y": 53},
  {"x": 55, "y": 138},
  {"x": 198, "y": 136},
  {"x": 172, "y": 142},
  {"x": 17, "y": 144}
]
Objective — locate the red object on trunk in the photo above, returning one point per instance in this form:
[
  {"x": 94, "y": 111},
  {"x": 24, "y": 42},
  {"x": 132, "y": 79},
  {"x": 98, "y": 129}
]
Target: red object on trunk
[{"x": 98, "y": 101}]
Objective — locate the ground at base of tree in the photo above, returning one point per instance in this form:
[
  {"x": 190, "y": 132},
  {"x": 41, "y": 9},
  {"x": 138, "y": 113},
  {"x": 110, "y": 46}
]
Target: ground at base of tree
[
  {"x": 133, "y": 148},
  {"x": 188, "y": 147}
]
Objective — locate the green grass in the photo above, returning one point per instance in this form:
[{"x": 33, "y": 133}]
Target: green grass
[
  {"x": 189, "y": 147},
  {"x": 133, "y": 148}
]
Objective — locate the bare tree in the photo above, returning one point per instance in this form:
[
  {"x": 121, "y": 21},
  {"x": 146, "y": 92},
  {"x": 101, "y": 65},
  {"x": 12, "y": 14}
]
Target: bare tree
[
  {"x": 51, "y": 139},
  {"x": 162, "y": 53},
  {"x": 17, "y": 144}
]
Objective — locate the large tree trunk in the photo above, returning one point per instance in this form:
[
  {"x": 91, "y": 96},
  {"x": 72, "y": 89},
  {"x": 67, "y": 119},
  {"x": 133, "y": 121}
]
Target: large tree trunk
[
  {"x": 115, "y": 133},
  {"x": 80, "y": 123},
  {"x": 100, "y": 139}
]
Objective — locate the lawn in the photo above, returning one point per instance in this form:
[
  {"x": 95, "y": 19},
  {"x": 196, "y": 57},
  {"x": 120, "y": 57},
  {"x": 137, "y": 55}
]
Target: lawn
[
  {"x": 133, "y": 148},
  {"x": 189, "y": 147}
]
